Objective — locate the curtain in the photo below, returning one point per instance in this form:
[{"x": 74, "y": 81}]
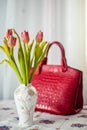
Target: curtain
[{"x": 60, "y": 20}]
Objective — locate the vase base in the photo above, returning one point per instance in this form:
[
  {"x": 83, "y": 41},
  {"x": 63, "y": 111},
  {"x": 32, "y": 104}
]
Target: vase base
[{"x": 25, "y": 125}]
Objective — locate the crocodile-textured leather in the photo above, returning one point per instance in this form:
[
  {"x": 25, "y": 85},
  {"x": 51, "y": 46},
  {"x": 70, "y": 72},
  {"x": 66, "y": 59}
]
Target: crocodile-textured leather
[{"x": 59, "y": 87}]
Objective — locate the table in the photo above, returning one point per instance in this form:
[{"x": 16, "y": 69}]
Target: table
[{"x": 41, "y": 121}]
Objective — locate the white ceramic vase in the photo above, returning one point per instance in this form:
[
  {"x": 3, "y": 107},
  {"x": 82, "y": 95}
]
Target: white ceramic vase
[{"x": 25, "y": 99}]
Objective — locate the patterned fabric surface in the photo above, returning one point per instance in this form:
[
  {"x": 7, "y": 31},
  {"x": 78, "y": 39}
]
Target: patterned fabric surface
[{"x": 42, "y": 121}]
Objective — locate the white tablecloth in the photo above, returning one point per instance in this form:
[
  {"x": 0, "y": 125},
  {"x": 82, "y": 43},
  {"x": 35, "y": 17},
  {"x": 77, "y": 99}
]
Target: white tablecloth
[{"x": 41, "y": 121}]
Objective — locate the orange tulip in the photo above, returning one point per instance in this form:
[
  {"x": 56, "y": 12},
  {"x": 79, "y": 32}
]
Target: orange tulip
[
  {"x": 11, "y": 41},
  {"x": 39, "y": 37},
  {"x": 8, "y": 33},
  {"x": 25, "y": 37}
]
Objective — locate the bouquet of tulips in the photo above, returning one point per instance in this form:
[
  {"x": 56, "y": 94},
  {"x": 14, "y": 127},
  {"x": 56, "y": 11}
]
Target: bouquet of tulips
[{"x": 29, "y": 54}]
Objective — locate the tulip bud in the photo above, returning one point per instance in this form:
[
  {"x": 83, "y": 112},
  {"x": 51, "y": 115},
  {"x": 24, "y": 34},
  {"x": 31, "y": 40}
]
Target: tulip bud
[
  {"x": 11, "y": 41},
  {"x": 39, "y": 37},
  {"x": 8, "y": 33},
  {"x": 25, "y": 37}
]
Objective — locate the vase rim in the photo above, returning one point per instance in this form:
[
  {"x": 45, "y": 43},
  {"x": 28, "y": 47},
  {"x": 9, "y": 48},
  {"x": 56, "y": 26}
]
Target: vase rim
[{"x": 25, "y": 85}]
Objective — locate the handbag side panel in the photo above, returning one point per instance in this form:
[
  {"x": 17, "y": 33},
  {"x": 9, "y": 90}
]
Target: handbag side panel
[{"x": 59, "y": 92}]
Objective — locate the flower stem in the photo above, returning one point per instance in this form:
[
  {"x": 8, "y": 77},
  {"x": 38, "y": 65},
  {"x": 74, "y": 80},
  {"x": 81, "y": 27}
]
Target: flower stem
[
  {"x": 21, "y": 59},
  {"x": 26, "y": 62},
  {"x": 15, "y": 68}
]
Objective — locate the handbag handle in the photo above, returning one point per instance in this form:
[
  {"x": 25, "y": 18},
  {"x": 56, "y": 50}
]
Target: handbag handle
[{"x": 63, "y": 58}]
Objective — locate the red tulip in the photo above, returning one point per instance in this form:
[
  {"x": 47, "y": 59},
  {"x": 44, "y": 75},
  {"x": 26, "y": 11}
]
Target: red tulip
[
  {"x": 39, "y": 37},
  {"x": 8, "y": 33},
  {"x": 25, "y": 37},
  {"x": 11, "y": 41}
]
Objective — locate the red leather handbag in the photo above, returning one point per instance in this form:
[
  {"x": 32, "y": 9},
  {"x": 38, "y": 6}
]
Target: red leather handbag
[{"x": 59, "y": 87}]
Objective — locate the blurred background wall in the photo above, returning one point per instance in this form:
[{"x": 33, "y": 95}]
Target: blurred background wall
[{"x": 60, "y": 20}]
